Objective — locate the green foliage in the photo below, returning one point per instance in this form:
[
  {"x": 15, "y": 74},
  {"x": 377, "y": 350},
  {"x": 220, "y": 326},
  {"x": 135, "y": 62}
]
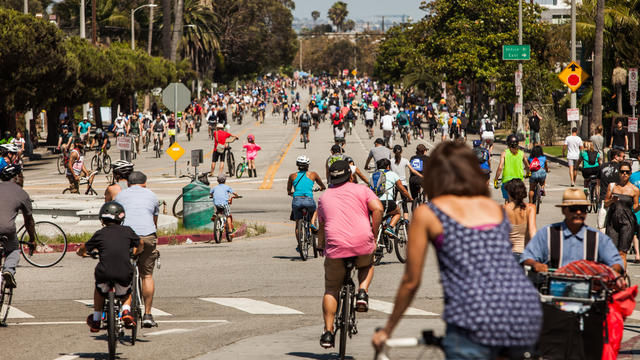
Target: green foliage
[{"x": 338, "y": 14}]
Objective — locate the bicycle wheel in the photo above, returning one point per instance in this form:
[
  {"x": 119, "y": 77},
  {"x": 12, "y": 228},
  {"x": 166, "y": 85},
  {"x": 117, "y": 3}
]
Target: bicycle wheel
[
  {"x": 231, "y": 163},
  {"x": 177, "y": 208},
  {"x": 60, "y": 164},
  {"x": 538, "y": 195},
  {"x": 112, "y": 337},
  {"x": 95, "y": 163},
  {"x": 378, "y": 254},
  {"x": 240, "y": 170},
  {"x": 6, "y": 294},
  {"x": 135, "y": 308},
  {"x": 400, "y": 242},
  {"x": 301, "y": 241},
  {"x": 50, "y": 244},
  {"x": 218, "y": 228},
  {"x": 106, "y": 163},
  {"x": 345, "y": 314}
]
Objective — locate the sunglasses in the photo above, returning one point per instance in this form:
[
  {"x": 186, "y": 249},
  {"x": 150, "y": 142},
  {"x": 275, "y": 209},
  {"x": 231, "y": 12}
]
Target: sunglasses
[
  {"x": 625, "y": 172},
  {"x": 576, "y": 208}
]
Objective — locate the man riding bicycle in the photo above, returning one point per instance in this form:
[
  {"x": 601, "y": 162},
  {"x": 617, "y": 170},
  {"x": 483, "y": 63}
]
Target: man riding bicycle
[
  {"x": 305, "y": 123},
  {"x": 403, "y": 124},
  {"x": 386, "y": 184},
  {"x": 301, "y": 183},
  {"x": 100, "y": 139},
  {"x": 134, "y": 128},
  {"x": 120, "y": 126},
  {"x": 346, "y": 231},
  {"x": 159, "y": 127},
  {"x": 65, "y": 140},
  {"x": 75, "y": 168},
  {"x": 14, "y": 200}
]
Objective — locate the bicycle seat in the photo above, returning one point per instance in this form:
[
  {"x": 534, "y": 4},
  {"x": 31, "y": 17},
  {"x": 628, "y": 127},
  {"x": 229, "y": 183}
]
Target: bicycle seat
[
  {"x": 350, "y": 263},
  {"x": 593, "y": 177}
]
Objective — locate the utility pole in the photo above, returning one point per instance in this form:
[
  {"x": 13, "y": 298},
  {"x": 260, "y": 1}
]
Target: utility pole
[
  {"x": 521, "y": 95},
  {"x": 26, "y": 6},
  {"x": 300, "y": 36},
  {"x": 574, "y": 96},
  {"x": 94, "y": 30}
]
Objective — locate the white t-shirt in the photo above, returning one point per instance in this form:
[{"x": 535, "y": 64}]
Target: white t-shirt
[
  {"x": 400, "y": 169},
  {"x": 387, "y": 122},
  {"x": 339, "y": 133},
  {"x": 392, "y": 178},
  {"x": 573, "y": 144},
  {"x": 368, "y": 115}
]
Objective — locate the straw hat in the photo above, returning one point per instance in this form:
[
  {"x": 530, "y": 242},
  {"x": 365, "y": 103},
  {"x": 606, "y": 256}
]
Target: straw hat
[{"x": 574, "y": 196}]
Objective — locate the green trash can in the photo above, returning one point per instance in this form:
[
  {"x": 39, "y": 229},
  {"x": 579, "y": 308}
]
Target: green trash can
[{"x": 197, "y": 206}]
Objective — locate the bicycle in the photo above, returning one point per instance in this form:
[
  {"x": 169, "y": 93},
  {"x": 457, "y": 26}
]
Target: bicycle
[
  {"x": 242, "y": 167},
  {"x": 6, "y": 293},
  {"x": 592, "y": 194},
  {"x": 306, "y": 238},
  {"x": 136, "y": 300},
  {"x": 398, "y": 243},
  {"x": 157, "y": 144},
  {"x": 220, "y": 223},
  {"x": 42, "y": 251},
  {"x": 404, "y": 131},
  {"x": 231, "y": 161},
  {"x": 428, "y": 339},
  {"x": 177, "y": 209},
  {"x": 345, "y": 319},
  {"x": 305, "y": 138},
  {"x": 537, "y": 196},
  {"x": 61, "y": 162},
  {"x": 101, "y": 161},
  {"x": 84, "y": 181}
]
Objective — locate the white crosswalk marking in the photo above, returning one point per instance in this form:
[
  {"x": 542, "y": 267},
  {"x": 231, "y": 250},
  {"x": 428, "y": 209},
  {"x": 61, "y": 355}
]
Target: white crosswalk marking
[
  {"x": 154, "y": 311},
  {"x": 15, "y": 313},
  {"x": 635, "y": 315},
  {"x": 387, "y": 308},
  {"x": 253, "y": 306},
  {"x": 67, "y": 357}
]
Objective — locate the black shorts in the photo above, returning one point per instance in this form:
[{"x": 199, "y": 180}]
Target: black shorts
[
  {"x": 216, "y": 156},
  {"x": 368, "y": 123},
  {"x": 304, "y": 130},
  {"x": 588, "y": 172},
  {"x": 389, "y": 205},
  {"x": 415, "y": 185}
]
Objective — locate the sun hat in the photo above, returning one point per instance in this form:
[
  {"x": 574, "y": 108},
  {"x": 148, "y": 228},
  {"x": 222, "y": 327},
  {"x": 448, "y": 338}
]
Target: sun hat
[{"x": 574, "y": 196}]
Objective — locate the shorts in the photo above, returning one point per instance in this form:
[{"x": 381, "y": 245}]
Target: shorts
[
  {"x": 386, "y": 134},
  {"x": 505, "y": 194},
  {"x": 304, "y": 130},
  {"x": 334, "y": 272},
  {"x": 299, "y": 203},
  {"x": 121, "y": 290},
  {"x": 389, "y": 205},
  {"x": 216, "y": 156},
  {"x": 487, "y": 137},
  {"x": 147, "y": 259},
  {"x": 73, "y": 184},
  {"x": 415, "y": 185},
  {"x": 588, "y": 172},
  {"x": 534, "y": 137},
  {"x": 225, "y": 208},
  {"x": 572, "y": 162},
  {"x": 368, "y": 123},
  {"x": 538, "y": 176},
  {"x": 338, "y": 139}
]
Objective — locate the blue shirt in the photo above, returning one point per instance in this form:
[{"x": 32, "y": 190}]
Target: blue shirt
[
  {"x": 221, "y": 194},
  {"x": 84, "y": 127},
  {"x": 3, "y": 163},
  {"x": 634, "y": 179},
  {"x": 572, "y": 247},
  {"x": 542, "y": 159},
  {"x": 140, "y": 206}
]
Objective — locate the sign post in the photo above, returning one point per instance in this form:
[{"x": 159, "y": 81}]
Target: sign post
[
  {"x": 176, "y": 97},
  {"x": 516, "y": 52},
  {"x": 573, "y": 115},
  {"x": 633, "y": 91},
  {"x": 123, "y": 143},
  {"x": 175, "y": 151},
  {"x": 573, "y": 76},
  {"x": 196, "y": 159}
]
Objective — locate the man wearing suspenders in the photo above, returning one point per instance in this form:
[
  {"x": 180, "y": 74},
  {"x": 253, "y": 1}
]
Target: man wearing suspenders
[{"x": 561, "y": 243}]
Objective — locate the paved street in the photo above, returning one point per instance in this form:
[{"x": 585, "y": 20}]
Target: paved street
[{"x": 250, "y": 299}]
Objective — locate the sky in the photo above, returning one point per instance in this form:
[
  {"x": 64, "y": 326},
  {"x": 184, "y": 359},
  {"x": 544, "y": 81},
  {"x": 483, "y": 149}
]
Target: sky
[{"x": 360, "y": 9}]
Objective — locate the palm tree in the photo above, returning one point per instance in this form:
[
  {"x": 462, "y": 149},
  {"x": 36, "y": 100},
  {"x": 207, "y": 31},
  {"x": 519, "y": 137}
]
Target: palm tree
[
  {"x": 338, "y": 14},
  {"x": 200, "y": 43},
  {"x": 618, "y": 80},
  {"x": 166, "y": 28},
  {"x": 315, "y": 14},
  {"x": 597, "y": 64}
]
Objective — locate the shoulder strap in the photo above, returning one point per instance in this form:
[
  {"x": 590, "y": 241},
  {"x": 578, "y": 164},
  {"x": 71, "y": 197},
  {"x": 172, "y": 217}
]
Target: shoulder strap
[
  {"x": 590, "y": 248},
  {"x": 555, "y": 246},
  {"x": 299, "y": 179}
]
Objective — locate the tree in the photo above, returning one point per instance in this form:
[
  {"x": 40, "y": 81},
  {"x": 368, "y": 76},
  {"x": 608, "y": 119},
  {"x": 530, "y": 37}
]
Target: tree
[
  {"x": 349, "y": 25},
  {"x": 597, "y": 65},
  {"x": 177, "y": 28},
  {"x": 618, "y": 80},
  {"x": 315, "y": 14},
  {"x": 200, "y": 43},
  {"x": 166, "y": 28},
  {"x": 338, "y": 14}
]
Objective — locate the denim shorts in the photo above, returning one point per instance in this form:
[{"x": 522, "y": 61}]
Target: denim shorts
[
  {"x": 458, "y": 345},
  {"x": 299, "y": 203},
  {"x": 538, "y": 176}
]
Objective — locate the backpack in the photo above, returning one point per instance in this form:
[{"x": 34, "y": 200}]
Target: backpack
[
  {"x": 378, "y": 182},
  {"x": 592, "y": 157},
  {"x": 555, "y": 243},
  {"x": 333, "y": 159},
  {"x": 488, "y": 126},
  {"x": 535, "y": 164},
  {"x": 481, "y": 154}
]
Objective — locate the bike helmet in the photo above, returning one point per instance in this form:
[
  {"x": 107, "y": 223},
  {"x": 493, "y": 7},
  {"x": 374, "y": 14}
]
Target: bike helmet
[
  {"x": 302, "y": 161},
  {"x": 65, "y": 127},
  {"x": 11, "y": 148},
  {"x": 349, "y": 159},
  {"x": 122, "y": 168},
  {"x": 98, "y": 131},
  {"x": 10, "y": 171},
  {"x": 250, "y": 137},
  {"x": 477, "y": 143},
  {"x": 112, "y": 212},
  {"x": 222, "y": 179},
  {"x": 512, "y": 141}
]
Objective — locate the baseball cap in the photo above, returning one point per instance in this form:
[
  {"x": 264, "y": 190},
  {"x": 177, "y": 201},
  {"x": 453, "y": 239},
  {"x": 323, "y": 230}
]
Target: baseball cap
[{"x": 339, "y": 172}]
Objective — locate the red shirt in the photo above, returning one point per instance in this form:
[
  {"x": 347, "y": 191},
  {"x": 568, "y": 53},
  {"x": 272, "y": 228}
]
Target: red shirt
[{"x": 220, "y": 137}]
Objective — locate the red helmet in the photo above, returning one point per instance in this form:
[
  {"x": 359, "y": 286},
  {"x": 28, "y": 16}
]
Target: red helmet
[{"x": 250, "y": 137}]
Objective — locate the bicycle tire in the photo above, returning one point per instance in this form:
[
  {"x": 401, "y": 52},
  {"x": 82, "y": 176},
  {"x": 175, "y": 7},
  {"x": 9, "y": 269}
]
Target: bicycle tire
[
  {"x": 218, "y": 227},
  {"x": 538, "y": 195},
  {"x": 400, "y": 242},
  {"x": 378, "y": 254},
  {"x": 112, "y": 337},
  {"x": 60, "y": 164},
  {"x": 95, "y": 163},
  {"x": 44, "y": 255},
  {"x": 135, "y": 309},
  {"x": 345, "y": 313},
  {"x": 106, "y": 163},
  {"x": 240, "y": 170},
  {"x": 65, "y": 191},
  {"x": 178, "y": 207},
  {"x": 301, "y": 241},
  {"x": 231, "y": 163},
  {"x": 6, "y": 294}
]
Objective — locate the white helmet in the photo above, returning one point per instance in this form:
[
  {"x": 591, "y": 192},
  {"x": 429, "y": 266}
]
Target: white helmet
[
  {"x": 302, "y": 160},
  {"x": 122, "y": 167},
  {"x": 10, "y": 148}
]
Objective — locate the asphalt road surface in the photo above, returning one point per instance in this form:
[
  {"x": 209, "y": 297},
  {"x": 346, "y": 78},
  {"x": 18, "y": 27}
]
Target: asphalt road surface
[{"x": 249, "y": 299}]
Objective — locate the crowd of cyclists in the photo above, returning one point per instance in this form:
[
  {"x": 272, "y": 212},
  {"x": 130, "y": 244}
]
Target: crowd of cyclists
[{"x": 447, "y": 190}]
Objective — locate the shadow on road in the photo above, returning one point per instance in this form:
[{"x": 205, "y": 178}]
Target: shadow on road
[
  {"x": 290, "y": 258},
  {"x": 92, "y": 355},
  {"x": 308, "y": 355}
]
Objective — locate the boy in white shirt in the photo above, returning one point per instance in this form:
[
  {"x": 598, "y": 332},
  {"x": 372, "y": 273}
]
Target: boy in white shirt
[{"x": 572, "y": 147}]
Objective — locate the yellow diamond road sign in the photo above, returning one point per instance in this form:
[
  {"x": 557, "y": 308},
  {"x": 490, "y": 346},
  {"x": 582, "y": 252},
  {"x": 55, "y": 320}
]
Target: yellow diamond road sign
[
  {"x": 573, "y": 76},
  {"x": 175, "y": 151}
]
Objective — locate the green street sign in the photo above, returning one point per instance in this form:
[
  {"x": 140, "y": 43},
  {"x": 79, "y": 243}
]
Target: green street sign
[{"x": 516, "y": 52}]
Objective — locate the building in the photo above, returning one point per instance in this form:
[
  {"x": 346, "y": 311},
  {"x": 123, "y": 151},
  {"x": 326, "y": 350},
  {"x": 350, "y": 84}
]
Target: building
[{"x": 556, "y": 11}]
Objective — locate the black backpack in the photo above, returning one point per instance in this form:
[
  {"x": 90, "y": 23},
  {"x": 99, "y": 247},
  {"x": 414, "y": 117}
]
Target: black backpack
[
  {"x": 488, "y": 126},
  {"x": 592, "y": 157}
]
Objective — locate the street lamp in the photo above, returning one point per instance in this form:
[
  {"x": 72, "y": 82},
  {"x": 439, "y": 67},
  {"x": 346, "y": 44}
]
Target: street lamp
[{"x": 133, "y": 38}]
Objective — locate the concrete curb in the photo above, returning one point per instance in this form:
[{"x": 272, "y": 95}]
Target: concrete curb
[{"x": 165, "y": 240}]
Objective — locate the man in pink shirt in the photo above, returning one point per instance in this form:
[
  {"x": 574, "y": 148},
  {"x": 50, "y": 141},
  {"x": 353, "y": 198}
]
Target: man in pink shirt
[{"x": 345, "y": 232}]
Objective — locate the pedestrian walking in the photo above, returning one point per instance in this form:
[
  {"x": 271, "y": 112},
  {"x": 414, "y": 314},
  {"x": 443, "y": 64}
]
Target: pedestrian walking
[{"x": 572, "y": 148}]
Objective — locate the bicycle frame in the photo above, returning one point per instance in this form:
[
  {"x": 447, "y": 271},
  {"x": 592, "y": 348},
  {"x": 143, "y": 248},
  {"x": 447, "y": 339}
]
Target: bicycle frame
[{"x": 347, "y": 326}]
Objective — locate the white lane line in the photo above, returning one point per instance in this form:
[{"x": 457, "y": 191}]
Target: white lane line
[
  {"x": 165, "y": 332},
  {"x": 387, "y": 308},
  {"x": 67, "y": 357},
  {"x": 47, "y": 323},
  {"x": 83, "y": 323},
  {"x": 193, "y": 321},
  {"x": 253, "y": 306},
  {"x": 15, "y": 313},
  {"x": 154, "y": 311}
]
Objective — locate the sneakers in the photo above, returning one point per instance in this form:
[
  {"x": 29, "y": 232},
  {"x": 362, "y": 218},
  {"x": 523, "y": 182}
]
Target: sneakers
[
  {"x": 94, "y": 326},
  {"x": 362, "y": 301},
  {"x": 9, "y": 280},
  {"x": 327, "y": 340},
  {"x": 147, "y": 321},
  {"x": 127, "y": 318},
  {"x": 389, "y": 231}
]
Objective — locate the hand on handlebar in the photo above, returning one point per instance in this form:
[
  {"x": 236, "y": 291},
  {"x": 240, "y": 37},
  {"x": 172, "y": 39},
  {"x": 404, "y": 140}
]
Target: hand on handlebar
[
  {"x": 539, "y": 267},
  {"x": 378, "y": 339}
]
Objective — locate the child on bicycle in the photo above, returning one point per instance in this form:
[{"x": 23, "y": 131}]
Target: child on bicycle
[
  {"x": 252, "y": 152},
  {"x": 114, "y": 243},
  {"x": 222, "y": 195},
  {"x": 386, "y": 184}
]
